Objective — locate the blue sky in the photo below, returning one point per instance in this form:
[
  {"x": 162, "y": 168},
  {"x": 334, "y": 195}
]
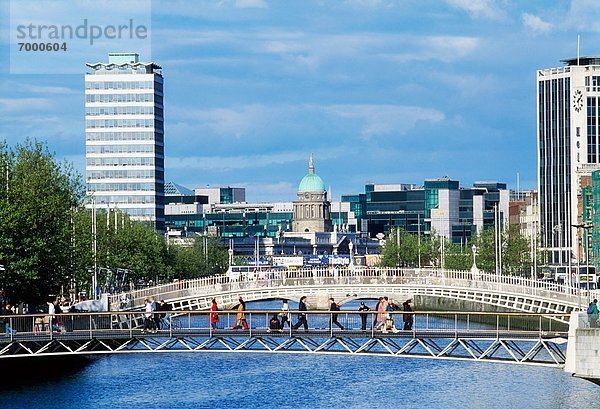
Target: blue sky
[{"x": 381, "y": 91}]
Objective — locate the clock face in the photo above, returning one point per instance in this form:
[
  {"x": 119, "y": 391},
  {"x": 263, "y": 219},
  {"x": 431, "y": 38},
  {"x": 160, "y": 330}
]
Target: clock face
[
  {"x": 578, "y": 100},
  {"x": 307, "y": 195}
]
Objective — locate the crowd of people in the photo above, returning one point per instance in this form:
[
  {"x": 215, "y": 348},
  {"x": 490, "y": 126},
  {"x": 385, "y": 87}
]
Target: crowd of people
[
  {"x": 155, "y": 316},
  {"x": 382, "y": 316}
]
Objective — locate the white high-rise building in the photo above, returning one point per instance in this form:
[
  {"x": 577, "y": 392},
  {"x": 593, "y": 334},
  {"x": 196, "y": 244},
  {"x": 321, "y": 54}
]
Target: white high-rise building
[
  {"x": 124, "y": 133},
  {"x": 568, "y": 102}
]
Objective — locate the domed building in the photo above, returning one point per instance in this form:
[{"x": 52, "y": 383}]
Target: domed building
[{"x": 312, "y": 209}]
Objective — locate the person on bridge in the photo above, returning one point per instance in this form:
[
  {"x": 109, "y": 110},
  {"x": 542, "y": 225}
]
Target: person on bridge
[
  {"x": 408, "y": 318},
  {"x": 8, "y": 329},
  {"x": 381, "y": 312},
  {"x": 363, "y": 316},
  {"x": 333, "y": 306},
  {"x": 241, "y": 316},
  {"x": 149, "y": 324},
  {"x": 592, "y": 313},
  {"x": 214, "y": 316},
  {"x": 285, "y": 314},
  {"x": 165, "y": 315},
  {"x": 302, "y": 315}
]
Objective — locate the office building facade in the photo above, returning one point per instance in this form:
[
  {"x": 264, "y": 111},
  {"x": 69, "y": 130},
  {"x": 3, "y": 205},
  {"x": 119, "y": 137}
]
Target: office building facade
[
  {"x": 439, "y": 207},
  {"x": 568, "y": 101},
  {"x": 124, "y": 127}
]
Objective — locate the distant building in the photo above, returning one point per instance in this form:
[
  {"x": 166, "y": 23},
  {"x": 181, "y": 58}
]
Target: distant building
[
  {"x": 222, "y": 195},
  {"x": 312, "y": 210},
  {"x": 124, "y": 133},
  {"x": 568, "y": 139},
  {"x": 439, "y": 207}
]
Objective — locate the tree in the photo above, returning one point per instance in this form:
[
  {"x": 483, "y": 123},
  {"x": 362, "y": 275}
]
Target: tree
[
  {"x": 455, "y": 258},
  {"x": 402, "y": 248},
  {"x": 516, "y": 258},
  {"x": 38, "y": 196}
]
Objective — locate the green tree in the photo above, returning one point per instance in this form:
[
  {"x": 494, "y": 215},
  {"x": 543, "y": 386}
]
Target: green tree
[
  {"x": 456, "y": 257},
  {"x": 516, "y": 254},
  {"x": 402, "y": 248},
  {"x": 37, "y": 199}
]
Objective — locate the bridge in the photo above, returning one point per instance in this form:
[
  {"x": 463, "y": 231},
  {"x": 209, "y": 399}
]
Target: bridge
[
  {"x": 511, "y": 293},
  {"x": 546, "y": 328},
  {"x": 533, "y": 339}
]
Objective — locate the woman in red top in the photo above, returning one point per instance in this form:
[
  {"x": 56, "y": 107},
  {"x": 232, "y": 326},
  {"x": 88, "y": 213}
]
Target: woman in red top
[{"x": 214, "y": 317}]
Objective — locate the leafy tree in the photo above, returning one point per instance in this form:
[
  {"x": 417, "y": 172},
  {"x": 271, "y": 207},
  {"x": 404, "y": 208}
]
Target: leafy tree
[
  {"x": 516, "y": 254},
  {"x": 37, "y": 199},
  {"x": 402, "y": 248},
  {"x": 456, "y": 258}
]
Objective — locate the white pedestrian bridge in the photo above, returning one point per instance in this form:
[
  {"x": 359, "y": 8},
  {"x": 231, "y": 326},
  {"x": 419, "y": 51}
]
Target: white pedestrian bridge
[{"x": 510, "y": 293}]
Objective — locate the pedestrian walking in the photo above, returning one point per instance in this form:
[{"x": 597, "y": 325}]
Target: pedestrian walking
[
  {"x": 363, "y": 316},
  {"x": 285, "y": 314},
  {"x": 214, "y": 316},
  {"x": 7, "y": 327},
  {"x": 408, "y": 318},
  {"x": 302, "y": 315},
  {"x": 149, "y": 323},
  {"x": 333, "y": 306},
  {"x": 381, "y": 312},
  {"x": 592, "y": 313},
  {"x": 240, "y": 319}
]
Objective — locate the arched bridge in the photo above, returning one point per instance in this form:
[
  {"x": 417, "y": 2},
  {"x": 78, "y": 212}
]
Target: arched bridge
[{"x": 509, "y": 292}]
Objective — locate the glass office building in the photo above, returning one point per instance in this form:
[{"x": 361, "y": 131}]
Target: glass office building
[
  {"x": 124, "y": 127},
  {"x": 439, "y": 206}
]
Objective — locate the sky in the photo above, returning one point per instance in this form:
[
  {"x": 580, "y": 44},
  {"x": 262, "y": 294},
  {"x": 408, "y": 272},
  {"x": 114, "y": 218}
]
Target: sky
[{"x": 380, "y": 91}]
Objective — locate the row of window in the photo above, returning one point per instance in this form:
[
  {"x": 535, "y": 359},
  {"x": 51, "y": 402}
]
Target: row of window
[
  {"x": 120, "y": 85},
  {"x": 124, "y": 123},
  {"x": 115, "y": 187},
  {"x": 124, "y": 149},
  {"x": 122, "y": 70},
  {"x": 122, "y": 98},
  {"x": 124, "y": 162},
  {"x": 123, "y": 136},
  {"x": 124, "y": 110},
  {"x": 137, "y": 199},
  {"x": 122, "y": 174}
]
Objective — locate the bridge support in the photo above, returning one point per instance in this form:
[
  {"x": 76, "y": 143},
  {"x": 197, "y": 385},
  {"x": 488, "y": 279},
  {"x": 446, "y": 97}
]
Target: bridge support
[{"x": 583, "y": 349}]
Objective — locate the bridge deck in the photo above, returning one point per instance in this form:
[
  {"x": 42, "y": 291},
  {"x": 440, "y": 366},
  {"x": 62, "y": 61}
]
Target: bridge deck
[{"x": 515, "y": 338}]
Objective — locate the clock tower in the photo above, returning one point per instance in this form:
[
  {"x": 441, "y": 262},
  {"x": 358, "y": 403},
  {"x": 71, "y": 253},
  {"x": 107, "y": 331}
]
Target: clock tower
[{"x": 312, "y": 210}]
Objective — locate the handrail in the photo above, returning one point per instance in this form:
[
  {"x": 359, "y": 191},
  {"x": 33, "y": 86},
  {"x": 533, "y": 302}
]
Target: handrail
[{"x": 359, "y": 275}]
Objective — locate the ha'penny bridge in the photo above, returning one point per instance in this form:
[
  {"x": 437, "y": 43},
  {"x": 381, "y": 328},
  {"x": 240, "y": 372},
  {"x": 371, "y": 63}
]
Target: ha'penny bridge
[{"x": 539, "y": 324}]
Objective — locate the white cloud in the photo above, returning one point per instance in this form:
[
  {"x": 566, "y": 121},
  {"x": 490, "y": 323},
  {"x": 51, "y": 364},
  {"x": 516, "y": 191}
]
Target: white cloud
[
  {"x": 583, "y": 15},
  {"x": 245, "y": 4},
  {"x": 237, "y": 162},
  {"x": 386, "y": 119},
  {"x": 535, "y": 23},
  {"x": 478, "y": 8},
  {"x": 24, "y": 104}
]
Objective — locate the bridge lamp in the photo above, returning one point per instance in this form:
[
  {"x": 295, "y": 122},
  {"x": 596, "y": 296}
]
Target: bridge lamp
[
  {"x": 351, "y": 249},
  {"x": 474, "y": 250}
]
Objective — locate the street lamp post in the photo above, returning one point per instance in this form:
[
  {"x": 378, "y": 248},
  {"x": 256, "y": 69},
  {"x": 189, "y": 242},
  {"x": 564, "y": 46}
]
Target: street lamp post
[
  {"x": 351, "y": 250},
  {"x": 474, "y": 250}
]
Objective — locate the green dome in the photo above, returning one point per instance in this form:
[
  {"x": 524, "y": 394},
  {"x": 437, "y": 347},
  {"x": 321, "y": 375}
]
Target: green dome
[{"x": 311, "y": 183}]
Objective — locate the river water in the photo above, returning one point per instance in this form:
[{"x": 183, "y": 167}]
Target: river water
[{"x": 264, "y": 380}]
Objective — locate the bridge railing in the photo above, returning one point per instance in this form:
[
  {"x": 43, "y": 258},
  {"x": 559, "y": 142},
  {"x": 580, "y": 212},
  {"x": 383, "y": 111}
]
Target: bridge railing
[
  {"x": 354, "y": 276},
  {"x": 252, "y": 322}
]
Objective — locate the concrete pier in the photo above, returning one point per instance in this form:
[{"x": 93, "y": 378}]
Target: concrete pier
[{"x": 583, "y": 348}]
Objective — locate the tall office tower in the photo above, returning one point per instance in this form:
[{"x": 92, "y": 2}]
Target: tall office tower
[
  {"x": 124, "y": 133},
  {"x": 568, "y": 101}
]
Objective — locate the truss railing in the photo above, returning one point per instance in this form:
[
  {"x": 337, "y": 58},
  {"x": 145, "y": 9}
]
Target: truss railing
[
  {"x": 575, "y": 298},
  {"x": 504, "y": 337}
]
